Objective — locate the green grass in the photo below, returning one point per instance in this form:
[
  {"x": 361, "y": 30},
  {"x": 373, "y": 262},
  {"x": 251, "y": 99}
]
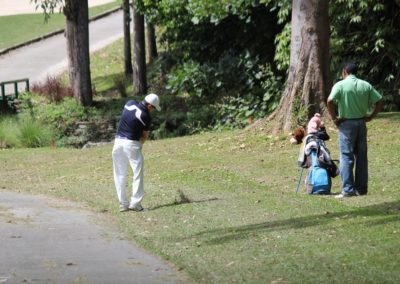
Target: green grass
[
  {"x": 9, "y": 132},
  {"x": 223, "y": 207},
  {"x": 17, "y": 132},
  {"x": 25, "y": 27}
]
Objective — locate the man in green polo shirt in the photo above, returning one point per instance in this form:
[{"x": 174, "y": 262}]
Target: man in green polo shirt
[{"x": 354, "y": 99}]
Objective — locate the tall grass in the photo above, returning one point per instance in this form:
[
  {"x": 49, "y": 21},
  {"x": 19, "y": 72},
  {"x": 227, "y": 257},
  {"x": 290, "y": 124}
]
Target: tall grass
[
  {"x": 33, "y": 135},
  {"x": 9, "y": 132},
  {"x": 17, "y": 133}
]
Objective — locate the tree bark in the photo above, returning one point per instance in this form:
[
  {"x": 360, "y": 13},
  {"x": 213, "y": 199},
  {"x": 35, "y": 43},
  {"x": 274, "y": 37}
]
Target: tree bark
[
  {"x": 127, "y": 39},
  {"x": 77, "y": 34},
  {"x": 151, "y": 42},
  {"x": 309, "y": 82},
  {"x": 139, "y": 66}
]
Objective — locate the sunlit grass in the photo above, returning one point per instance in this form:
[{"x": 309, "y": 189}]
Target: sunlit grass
[
  {"x": 17, "y": 29},
  {"x": 223, "y": 206}
]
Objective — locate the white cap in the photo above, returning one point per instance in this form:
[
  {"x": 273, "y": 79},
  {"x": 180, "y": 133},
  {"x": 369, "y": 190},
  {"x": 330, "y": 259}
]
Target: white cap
[{"x": 153, "y": 100}]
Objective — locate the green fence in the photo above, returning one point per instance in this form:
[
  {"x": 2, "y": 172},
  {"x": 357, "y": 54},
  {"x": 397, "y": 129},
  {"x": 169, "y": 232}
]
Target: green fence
[{"x": 9, "y": 99}]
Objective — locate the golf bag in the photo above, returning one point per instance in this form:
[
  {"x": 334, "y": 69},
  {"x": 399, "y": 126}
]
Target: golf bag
[
  {"x": 315, "y": 156},
  {"x": 318, "y": 180}
]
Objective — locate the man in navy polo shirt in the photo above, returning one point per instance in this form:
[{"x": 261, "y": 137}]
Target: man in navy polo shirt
[{"x": 133, "y": 130}]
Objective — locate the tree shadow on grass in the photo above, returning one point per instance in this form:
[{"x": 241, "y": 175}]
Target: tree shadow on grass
[
  {"x": 389, "y": 210},
  {"x": 390, "y": 115}
]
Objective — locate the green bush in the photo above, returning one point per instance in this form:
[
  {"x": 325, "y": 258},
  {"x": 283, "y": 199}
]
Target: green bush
[
  {"x": 181, "y": 116},
  {"x": 237, "y": 112},
  {"x": 64, "y": 119},
  {"x": 193, "y": 78},
  {"x": 16, "y": 132},
  {"x": 33, "y": 135}
]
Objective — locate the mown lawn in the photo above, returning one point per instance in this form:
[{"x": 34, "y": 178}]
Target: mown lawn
[
  {"x": 223, "y": 206},
  {"x": 17, "y": 29}
]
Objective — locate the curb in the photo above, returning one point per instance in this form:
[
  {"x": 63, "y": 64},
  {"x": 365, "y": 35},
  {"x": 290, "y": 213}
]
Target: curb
[{"x": 48, "y": 35}]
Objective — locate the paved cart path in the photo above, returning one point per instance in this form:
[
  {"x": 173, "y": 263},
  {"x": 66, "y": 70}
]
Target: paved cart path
[
  {"x": 38, "y": 60},
  {"x": 44, "y": 240}
]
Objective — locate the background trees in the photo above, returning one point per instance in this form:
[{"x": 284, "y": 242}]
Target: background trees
[
  {"x": 225, "y": 63},
  {"x": 128, "y": 69},
  {"x": 235, "y": 55},
  {"x": 77, "y": 35},
  {"x": 139, "y": 65},
  {"x": 367, "y": 32},
  {"x": 308, "y": 82}
]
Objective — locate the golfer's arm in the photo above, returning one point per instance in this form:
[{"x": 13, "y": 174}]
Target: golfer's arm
[{"x": 145, "y": 136}]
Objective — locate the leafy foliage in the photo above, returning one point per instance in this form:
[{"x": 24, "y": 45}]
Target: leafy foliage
[
  {"x": 367, "y": 31},
  {"x": 212, "y": 64},
  {"x": 182, "y": 116},
  {"x": 225, "y": 61},
  {"x": 62, "y": 118},
  {"x": 256, "y": 88},
  {"x": 264, "y": 98}
]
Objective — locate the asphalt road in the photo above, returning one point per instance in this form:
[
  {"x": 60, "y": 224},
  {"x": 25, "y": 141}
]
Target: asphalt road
[
  {"x": 46, "y": 240},
  {"x": 49, "y": 56}
]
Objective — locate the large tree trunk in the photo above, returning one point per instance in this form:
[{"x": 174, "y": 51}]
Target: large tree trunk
[
  {"x": 139, "y": 66},
  {"x": 77, "y": 34},
  {"x": 127, "y": 39},
  {"x": 151, "y": 42},
  {"x": 308, "y": 84}
]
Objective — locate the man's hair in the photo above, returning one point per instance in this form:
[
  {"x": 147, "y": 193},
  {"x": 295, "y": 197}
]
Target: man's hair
[{"x": 350, "y": 67}]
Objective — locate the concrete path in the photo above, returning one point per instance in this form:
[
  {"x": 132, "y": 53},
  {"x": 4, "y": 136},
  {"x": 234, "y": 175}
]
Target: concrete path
[
  {"x": 45, "y": 240},
  {"x": 38, "y": 60}
]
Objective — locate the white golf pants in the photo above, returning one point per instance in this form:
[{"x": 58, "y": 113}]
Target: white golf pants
[{"x": 125, "y": 151}]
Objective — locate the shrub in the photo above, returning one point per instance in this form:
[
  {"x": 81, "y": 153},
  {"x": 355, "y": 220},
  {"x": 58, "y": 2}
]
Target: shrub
[
  {"x": 264, "y": 89},
  {"x": 15, "y": 133},
  {"x": 195, "y": 79},
  {"x": 33, "y": 135},
  {"x": 61, "y": 118},
  {"x": 182, "y": 116},
  {"x": 71, "y": 123},
  {"x": 53, "y": 89}
]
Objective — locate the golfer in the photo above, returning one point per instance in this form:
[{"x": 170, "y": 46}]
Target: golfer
[
  {"x": 354, "y": 99},
  {"x": 133, "y": 130}
]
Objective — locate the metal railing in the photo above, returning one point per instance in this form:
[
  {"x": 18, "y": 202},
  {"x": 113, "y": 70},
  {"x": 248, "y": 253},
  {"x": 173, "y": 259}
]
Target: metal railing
[{"x": 10, "y": 97}]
